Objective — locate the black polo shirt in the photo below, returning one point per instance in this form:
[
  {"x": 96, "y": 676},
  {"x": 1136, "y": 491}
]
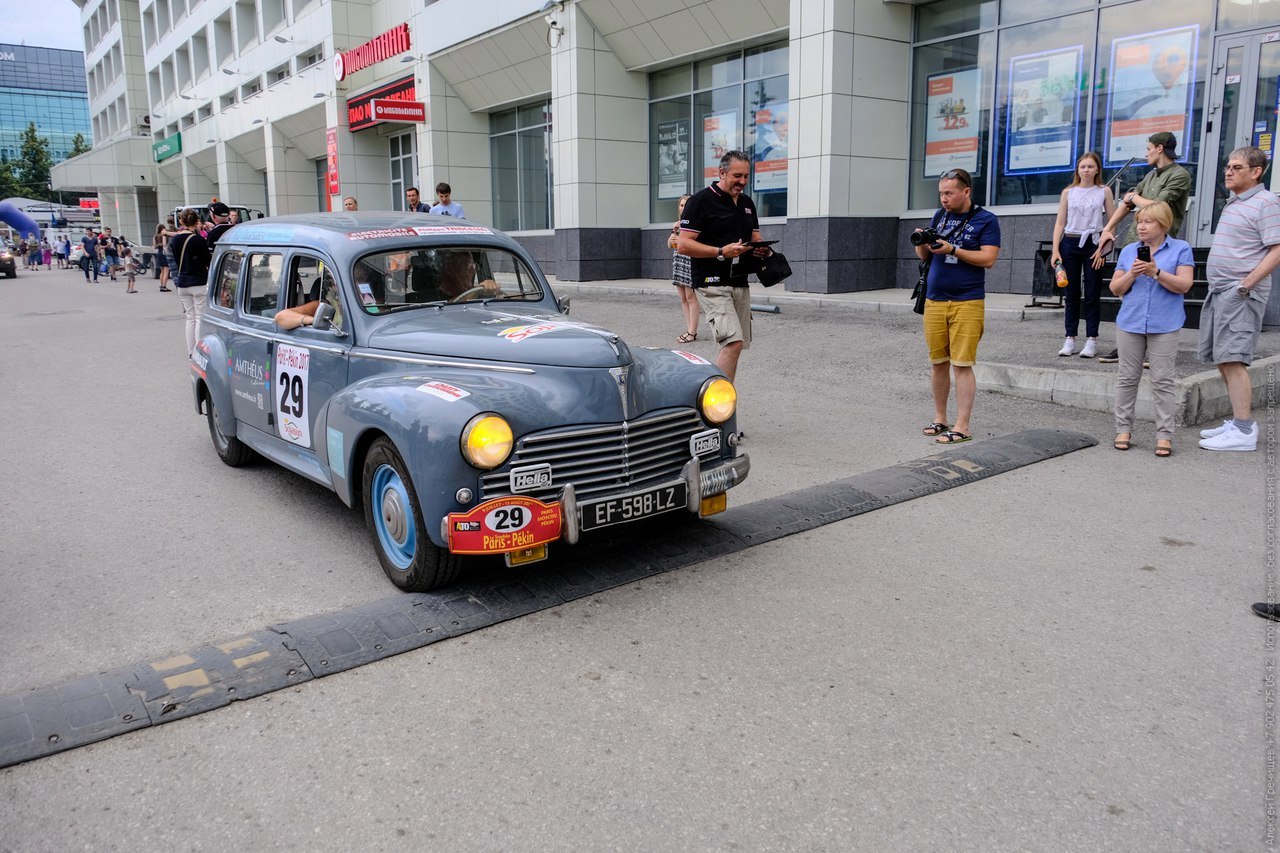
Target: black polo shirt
[{"x": 714, "y": 220}]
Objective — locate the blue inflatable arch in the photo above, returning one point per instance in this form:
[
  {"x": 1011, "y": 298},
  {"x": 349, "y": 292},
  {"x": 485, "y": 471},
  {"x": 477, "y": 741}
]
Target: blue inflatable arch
[{"x": 18, "y": 221}]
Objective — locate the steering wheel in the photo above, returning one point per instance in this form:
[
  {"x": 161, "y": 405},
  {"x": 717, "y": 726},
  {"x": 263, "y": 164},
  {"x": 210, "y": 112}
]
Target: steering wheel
[{"x": 471, "y": 291}]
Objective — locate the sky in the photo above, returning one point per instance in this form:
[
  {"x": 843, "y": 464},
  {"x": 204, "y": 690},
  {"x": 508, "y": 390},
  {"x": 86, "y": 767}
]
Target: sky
[{"x": 41, "y": 23}]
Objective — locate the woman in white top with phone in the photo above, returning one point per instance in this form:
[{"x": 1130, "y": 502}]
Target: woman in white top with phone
[{"x": 1085, "y": 206}]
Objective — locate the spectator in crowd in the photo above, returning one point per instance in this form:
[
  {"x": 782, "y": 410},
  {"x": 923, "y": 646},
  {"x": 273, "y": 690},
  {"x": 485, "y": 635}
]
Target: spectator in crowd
[
  {"x": 968, "y": 245},
  {"x": 718, "y": 227},
  {"x": 109, "y": 251},
  {"x": 1152, "y": 277},
  {"x": 1082, "y": 209},
  {"x": 221, "y": 223},
  {"x": 350, "y": 204},
  {"x": 1245, "y": 251},
  {"x": 444, "y": 206},
  {"x": 413, "y": 202},
  {"x": 1167, "y": 182},
  {"x": 682, "y": 278},
  {"x": 89, "y": 260},
  {"x": 46, "y": 253},
  {"x": 130, "y": 262},
  {"x": 191, "y": 254}
]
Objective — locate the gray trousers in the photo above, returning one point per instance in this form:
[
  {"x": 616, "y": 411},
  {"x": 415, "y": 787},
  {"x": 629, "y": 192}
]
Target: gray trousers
[{"x": 1161, "y": 351}]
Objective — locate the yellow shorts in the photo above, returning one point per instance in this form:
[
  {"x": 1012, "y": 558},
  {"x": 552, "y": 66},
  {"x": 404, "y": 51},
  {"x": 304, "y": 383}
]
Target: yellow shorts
[{"x": 952, "y": 331}]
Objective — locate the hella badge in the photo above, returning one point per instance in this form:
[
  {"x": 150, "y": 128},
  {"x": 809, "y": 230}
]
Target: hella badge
[
  {"x": 530, "y": 478},
  {"x": 706, "y": 441}
]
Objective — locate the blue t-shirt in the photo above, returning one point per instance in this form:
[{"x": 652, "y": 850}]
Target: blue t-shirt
[
  {"x": 951, "y": 279},
  {"x": 1149, "y": 308}
]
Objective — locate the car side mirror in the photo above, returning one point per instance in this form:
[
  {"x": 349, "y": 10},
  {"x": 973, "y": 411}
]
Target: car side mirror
[
  {"x": 323, "y": 318},
  {"x": 562, "y": 303}
]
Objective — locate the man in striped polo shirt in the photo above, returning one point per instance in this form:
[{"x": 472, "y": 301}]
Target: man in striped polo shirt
[{"x": 1246, "y": 248}]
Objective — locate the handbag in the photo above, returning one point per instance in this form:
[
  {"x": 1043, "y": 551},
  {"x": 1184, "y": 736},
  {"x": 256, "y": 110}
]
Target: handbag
[
  {"x": 773, "y": 269},
  {"x": 922, "y": 286}
]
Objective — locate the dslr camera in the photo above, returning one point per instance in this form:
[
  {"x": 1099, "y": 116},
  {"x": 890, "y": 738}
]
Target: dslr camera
[{"x": 925, "y": 235}]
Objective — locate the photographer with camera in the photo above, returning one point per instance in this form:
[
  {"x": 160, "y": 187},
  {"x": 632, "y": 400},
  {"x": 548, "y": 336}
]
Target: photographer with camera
[{"x": 961, "y": 243}]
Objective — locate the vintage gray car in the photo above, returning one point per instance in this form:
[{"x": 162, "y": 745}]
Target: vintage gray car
[{"x": 438, "y": 383}]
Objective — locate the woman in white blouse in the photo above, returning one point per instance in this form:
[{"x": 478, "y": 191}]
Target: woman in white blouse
[{"x": 1085, "y": 206}]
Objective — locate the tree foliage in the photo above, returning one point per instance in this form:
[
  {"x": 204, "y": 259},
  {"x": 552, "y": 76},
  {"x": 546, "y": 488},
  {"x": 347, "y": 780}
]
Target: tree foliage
[
  {"x": 34, "y": 164},
  {"x": 78, "y": 145}
]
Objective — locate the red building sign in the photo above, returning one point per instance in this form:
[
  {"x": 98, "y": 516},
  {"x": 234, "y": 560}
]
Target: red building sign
[
  {"x": 376, "y": 49},
  {"x": 360, "y": 108}
]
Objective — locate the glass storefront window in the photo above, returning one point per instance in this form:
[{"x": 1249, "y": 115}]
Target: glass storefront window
[
  {"x": 1025, "y": 11},
  {"x": 520, "y": 166},
  {"x": 404, "y": 167},
  {"x": 1150, "y": 76},
  {"x": 952, "y": 17},
  {"x": 1240, "y": 14},
  {"x": 738, "y": 101},
  {"x": 1041, "y": 103},
  {"x": 950, "y": 115}
]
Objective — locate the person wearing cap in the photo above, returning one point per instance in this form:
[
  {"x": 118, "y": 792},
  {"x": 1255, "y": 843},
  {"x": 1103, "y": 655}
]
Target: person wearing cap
[
  {"x": 221, "y": 223},
  {"x": 1167, "y": 182}
]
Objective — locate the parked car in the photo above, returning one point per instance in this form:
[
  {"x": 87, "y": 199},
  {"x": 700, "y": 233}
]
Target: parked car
[
  {"x": 439, "y": 385},
  {"x": 8, "y": 261}
]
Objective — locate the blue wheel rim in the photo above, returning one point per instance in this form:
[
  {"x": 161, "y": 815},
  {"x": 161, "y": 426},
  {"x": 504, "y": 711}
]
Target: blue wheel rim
[{"x": 393, "y": 517}]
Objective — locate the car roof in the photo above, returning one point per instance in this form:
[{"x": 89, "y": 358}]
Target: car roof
[{"x": 347, "y": 235}]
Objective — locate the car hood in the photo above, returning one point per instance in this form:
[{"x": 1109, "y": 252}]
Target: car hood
[{"x": 494, "y": 334}]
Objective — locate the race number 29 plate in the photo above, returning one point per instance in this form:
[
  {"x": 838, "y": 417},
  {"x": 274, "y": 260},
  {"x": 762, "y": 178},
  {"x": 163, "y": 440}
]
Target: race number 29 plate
[
  {"x": 638, "y": 505},
  {"x": 504, "y": 524}
]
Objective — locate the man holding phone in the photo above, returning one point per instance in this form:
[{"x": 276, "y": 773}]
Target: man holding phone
[{"x": 719, "y": 227}]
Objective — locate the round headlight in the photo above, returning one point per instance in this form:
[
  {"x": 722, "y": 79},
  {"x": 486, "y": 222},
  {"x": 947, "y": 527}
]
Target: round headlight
[
  {"x": 718, "y": 400},
  {"x": 487, "y": 441}
]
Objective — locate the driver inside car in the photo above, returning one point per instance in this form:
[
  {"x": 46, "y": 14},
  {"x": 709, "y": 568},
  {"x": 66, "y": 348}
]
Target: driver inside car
[
  {"x": 458, "y": 277},
  {"x": 304, "y": 314}
]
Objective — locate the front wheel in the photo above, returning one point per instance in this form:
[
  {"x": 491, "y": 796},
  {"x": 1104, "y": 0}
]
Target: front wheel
[
  {"x": 410, "y": 559},
  {"x": 230, "y": 449}
]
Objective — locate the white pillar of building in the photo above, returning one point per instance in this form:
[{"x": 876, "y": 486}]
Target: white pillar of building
[
  {"x": 454, "y": 148},
  {"x": 362, "y": 162},
  {"x": 600, "y": 132},
  {"x": 849, "y": 70},
  {"x": 291, "y": 177},
  {"x": 197, "y": 187},
  {"x": 239, "y": 182}
]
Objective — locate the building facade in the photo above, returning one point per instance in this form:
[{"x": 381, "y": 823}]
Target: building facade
[
  {"x": 44, "y": 85},
  {"x": 577, "y": 125}
]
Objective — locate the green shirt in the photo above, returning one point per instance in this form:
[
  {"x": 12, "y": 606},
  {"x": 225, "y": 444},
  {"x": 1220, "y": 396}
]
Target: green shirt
[{"x": 1172, "y": 185}]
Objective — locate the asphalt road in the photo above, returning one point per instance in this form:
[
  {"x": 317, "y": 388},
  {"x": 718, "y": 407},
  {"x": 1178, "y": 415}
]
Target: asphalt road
[{"x": 1060, "y": 658}]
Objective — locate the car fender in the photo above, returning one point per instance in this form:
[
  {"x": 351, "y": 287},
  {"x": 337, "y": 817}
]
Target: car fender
[{"x": 208, "y": 354}]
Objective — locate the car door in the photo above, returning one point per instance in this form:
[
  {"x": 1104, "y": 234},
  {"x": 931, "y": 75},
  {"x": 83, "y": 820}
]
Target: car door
[
  {"x": 310, "y": 364},
  {"x": 249, "y": 352}
]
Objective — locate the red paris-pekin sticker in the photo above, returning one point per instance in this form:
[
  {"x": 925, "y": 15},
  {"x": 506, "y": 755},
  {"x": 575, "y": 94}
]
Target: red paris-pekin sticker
[{"x": 504, "y": 524}]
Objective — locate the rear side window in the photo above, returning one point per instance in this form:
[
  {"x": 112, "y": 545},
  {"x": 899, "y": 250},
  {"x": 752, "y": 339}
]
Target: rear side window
[
  {"x": 224, "y": 295},
  {"x": 264, "y": 283}
]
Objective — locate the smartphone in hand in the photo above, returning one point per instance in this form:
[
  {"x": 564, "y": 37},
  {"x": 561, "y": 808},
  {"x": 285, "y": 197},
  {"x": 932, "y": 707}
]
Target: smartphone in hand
[{"x": 1144, "y": 254}]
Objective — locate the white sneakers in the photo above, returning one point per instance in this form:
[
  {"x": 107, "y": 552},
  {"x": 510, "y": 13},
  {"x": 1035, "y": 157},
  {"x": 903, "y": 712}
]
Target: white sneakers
[
  {"x": 1218, "y": 430},
  {"x": 1090, "y": 348},
  {"x": 1231, "y": 438},
  {"x": 1068, "y": 347}
]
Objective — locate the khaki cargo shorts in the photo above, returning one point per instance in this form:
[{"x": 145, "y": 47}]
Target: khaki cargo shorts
[{"x": 728, "y": 310}]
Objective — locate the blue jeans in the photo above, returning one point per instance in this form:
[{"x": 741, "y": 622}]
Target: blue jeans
[{"x": 1076, "y": 261}]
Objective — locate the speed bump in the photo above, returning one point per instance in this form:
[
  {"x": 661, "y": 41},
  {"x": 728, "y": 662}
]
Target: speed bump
[{"x": 41, "y": 722}]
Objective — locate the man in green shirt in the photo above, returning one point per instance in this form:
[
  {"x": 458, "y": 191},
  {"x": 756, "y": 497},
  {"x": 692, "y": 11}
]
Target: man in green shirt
[{"x": 1167, "y": 182}]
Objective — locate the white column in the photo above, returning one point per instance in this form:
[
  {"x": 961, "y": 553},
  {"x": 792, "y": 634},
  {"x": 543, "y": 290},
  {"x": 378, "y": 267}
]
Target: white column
[{"x": 454, "y": 148}]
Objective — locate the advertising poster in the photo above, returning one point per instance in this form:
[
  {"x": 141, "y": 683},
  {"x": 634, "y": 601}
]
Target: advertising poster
[
  {"x": 673, "y": 158},
  {"x": 772, "y": 125},
  {"x": 1044, "y": 104},
  {"x": 719, "y": 136},
  {"x": 1152, "y": 88},
  {"x": 951, "y": 139},
  {"x": 331, "y": 161}
]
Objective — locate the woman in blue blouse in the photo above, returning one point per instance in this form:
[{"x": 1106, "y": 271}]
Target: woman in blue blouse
[{"x": 1151, "y": 314}]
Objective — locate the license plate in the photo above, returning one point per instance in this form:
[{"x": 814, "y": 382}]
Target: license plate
[{"x": 638, "y": 505}]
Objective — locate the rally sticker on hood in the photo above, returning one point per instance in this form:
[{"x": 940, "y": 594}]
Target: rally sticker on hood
[
  {"x": 690, "y": 357},
  {"x": 515, "y": 334},
  {"x": 417, "y": 231},
  {"x": 444, "y": 391}
]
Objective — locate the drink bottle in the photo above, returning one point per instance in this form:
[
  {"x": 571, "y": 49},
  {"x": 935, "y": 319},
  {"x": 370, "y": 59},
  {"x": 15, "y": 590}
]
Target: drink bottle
[{"x": 1059, "y": 275}]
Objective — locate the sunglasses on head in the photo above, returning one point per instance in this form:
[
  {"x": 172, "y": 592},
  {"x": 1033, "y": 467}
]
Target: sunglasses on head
[{"x": 956, "y": 175}]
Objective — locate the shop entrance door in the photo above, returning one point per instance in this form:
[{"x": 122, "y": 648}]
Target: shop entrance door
[{"x": 1242, "y": 111}]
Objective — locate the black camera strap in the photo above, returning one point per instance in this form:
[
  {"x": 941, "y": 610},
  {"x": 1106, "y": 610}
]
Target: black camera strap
[{"x": 933, "y": 223}]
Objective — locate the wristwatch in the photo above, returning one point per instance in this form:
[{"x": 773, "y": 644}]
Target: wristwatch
[{"x": 720, "y": 253}]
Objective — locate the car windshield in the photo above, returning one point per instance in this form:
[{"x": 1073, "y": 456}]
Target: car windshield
[{"x": 410, "y": 278}]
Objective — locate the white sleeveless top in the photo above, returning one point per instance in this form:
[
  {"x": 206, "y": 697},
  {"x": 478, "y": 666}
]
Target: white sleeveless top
[{"x": 1085, "y": 209}]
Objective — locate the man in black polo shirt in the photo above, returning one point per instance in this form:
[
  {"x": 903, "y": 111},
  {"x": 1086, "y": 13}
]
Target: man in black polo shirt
[{"x": 718, "y": 227}]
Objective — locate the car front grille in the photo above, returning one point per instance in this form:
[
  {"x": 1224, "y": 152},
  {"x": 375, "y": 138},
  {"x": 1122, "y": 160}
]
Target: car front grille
[{"x": 601, "y": 459}]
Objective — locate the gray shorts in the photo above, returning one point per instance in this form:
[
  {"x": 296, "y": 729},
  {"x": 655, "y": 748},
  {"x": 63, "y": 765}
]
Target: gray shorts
[{"x": 1230, "y": 325}]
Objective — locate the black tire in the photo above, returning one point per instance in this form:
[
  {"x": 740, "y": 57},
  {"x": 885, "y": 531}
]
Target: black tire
[
  {"x": 230, "y": 449},
  {"x": 391, "y": 510}
]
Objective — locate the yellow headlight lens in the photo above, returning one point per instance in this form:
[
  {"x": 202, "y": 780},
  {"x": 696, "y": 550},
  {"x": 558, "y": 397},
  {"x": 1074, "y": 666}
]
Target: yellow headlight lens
[
  {"x": 487, "y": 441},
  {"x": 718, "y": 400}
]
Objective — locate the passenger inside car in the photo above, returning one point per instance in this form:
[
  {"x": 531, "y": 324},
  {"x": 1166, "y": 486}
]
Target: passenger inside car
[{"x": 312, "y": 277}]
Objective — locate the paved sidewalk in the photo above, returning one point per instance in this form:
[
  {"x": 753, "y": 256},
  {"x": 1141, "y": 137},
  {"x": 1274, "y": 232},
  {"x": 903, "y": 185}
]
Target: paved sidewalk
[{"x": 1019, "y": 352}]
